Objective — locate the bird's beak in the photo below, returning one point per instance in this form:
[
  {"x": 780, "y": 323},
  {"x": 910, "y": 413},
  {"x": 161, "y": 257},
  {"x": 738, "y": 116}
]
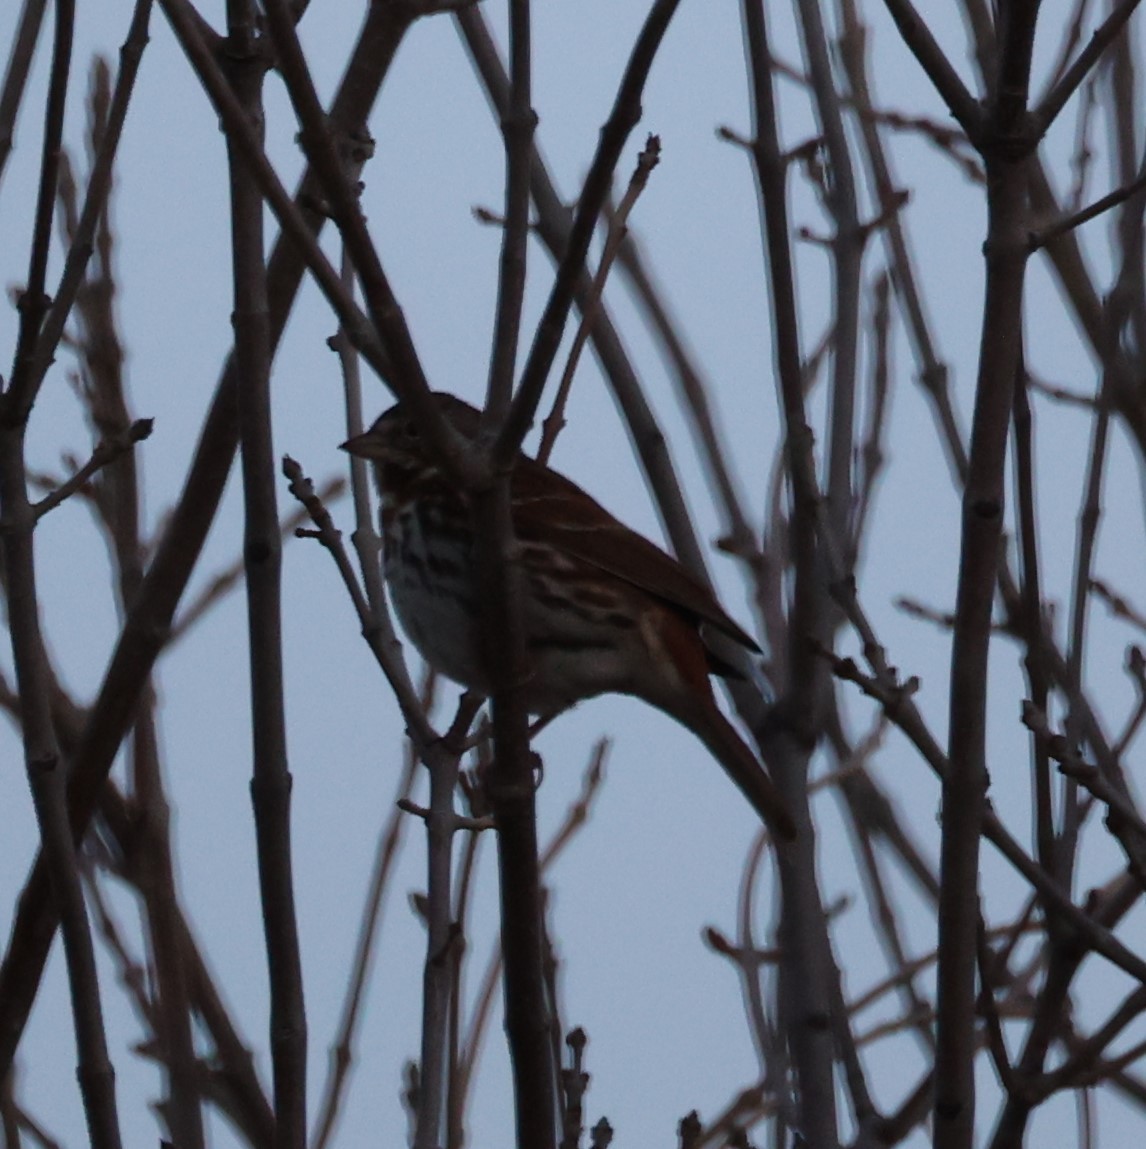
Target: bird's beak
[{"x": 365, "y": 446}]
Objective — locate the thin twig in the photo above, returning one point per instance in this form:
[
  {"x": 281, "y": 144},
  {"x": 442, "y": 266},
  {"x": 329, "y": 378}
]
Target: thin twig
[
  {"x": 623, "y": 117},
  {"x": 1086, "y": 773},
  {"x": 107, "y": 451},
  {"x": 442, "y": 822},
  {"x": 16, "y": 73},
  {"x": 1048, "y": 109},
  {"x": 517, "y": 129},
  {"x": 221, "y": 584},
  {"x": 342, "y": 1047},
  {"x": 575, "y": 817},
  {"x": 1043, "y": 236},
  {"x": 97, "y": 193},
  {"x": 918, "y": 38},
  {"x": 389, "y": 660},
  {"x": 614, "y": 238}
]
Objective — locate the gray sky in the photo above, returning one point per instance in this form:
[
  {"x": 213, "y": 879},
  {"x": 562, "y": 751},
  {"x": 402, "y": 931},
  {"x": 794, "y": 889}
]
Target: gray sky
[{"x": 662, "y": 855}]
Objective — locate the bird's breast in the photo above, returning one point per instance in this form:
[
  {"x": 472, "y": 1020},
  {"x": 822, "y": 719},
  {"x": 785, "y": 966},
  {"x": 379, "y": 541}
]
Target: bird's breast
[{"x": 428, "y": 556}]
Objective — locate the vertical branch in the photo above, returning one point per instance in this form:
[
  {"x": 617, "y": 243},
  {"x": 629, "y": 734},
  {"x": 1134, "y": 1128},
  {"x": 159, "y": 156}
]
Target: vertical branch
[
  {"x": 517, "y": 128},
  {"x": 771, "y": 174},
  {"x": 1088, "y": 518},
  {"x": 847, "y": 250},
  {"x": 510, "y": 783},
  {"x": 470, "y": 1048},
  {"x": 98, "y": 191},
  {"x": 33, "y": 302},
  {"x": 368, "y": 548},
  {"x": 367, "y": 544},
  {"x": 47, "y": 780},
  {"x": 512, "y": 794},
  {"x": 1055, "y": 856},
  {"x": 932, "y": 373},
  {"x": 981, "y": 29},
  {"x": 117, "y": 499},
  {"x": 43, "y": 760},
  {"x": 770, "y": 1051},
  {"x": 1005, "y": 148},
  {"x": 1038, "y": 678},
  {"x": 262, "y": 550},
  {"x": 1130, "y": 168},
  {"x": 792, "y": 731},
  {"x": 166, "y": 936},
  {"x": 871, "y": 451},
  {"x": 342, "y": 1052},
  {"x": 442, "y": 821}
]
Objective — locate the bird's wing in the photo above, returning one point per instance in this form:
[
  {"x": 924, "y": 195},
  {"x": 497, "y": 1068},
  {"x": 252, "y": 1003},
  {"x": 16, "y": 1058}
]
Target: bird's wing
[{"x": 547, "y": 507}]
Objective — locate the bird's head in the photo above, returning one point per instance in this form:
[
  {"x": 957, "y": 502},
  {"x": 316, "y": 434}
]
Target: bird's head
[{"x": 396, "y": 447}]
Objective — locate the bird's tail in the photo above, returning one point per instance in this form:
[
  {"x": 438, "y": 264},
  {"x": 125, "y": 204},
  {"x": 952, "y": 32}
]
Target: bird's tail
[{"x": 743, "y": 767}]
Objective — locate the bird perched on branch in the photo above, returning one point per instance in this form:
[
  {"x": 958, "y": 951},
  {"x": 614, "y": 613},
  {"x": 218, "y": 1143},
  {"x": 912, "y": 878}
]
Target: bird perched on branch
[{"x": 605, "y": 610}]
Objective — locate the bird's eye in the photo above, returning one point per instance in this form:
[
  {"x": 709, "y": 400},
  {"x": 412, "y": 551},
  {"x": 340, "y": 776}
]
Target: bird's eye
[{"x": 410, "y": 429}]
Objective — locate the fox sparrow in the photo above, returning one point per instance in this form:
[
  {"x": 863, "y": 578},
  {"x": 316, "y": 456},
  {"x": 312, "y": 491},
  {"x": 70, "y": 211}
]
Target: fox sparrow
[{"x": 605, "y": 609}]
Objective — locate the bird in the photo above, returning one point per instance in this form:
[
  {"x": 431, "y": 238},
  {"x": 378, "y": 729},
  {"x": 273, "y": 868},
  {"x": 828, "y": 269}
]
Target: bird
[{"x": 605, "y": 609}]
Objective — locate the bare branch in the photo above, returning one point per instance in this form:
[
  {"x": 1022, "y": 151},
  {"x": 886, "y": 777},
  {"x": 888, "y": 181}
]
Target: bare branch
[
  {"x": 614, "y": 239},
  {"x": 106, "y": 452},
  {"x": 1047, "y": 111},
  {"x": 1044, "y": 235},
  {"x": 16, "y": 73},
  {"x": 623, "y": 117},
  {"x": 917, "y": 36}
]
